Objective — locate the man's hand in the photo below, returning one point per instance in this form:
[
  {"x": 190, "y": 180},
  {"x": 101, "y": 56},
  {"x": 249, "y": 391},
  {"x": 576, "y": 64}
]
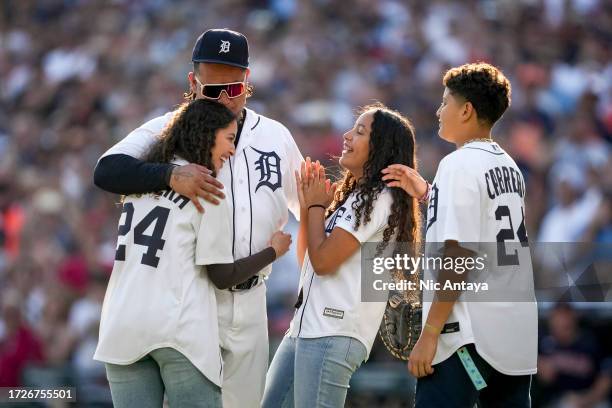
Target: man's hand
[
  {"x": 193, "y": 181},
  {"x": 419, "y": 362},
  {"x": 406, "y": 178}
]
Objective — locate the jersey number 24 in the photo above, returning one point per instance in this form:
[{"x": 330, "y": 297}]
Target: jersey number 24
[
  {"x": 154, "y": 242},
  {"x": 503, "y": 257}
]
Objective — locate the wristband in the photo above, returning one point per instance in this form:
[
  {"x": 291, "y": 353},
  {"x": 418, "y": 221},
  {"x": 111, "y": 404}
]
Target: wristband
[
  {"x": 432, "y": 328},
  {"x": 425, "y": 196},
  {"x": 317, "y": 205}
]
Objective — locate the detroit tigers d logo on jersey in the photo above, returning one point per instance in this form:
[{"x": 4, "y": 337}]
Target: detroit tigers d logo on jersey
[
  {"x": 268, "y": 165},
  {"x": 335, "y": 217},
  {"x": 432, "y": 208}
]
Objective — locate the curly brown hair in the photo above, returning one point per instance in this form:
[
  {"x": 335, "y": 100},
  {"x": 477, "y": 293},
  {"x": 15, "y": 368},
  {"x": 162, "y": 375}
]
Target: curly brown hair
[
  {"x": 190, "y": 133},
  {"x": 392, "y": 141},
  {"x": 484, "y": 86}
]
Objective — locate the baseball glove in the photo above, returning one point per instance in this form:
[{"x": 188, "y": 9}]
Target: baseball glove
[{"x": 401, "y": 325}]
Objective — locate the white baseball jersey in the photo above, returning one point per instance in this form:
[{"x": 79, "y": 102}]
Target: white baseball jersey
[
  {"x": 332, "y": 303},
  {"x": 260, "y": 187},
  {"x": 159, "y": 295},
  {"x": 477, "y": 197},
  {"x": 258, "y": 179}
]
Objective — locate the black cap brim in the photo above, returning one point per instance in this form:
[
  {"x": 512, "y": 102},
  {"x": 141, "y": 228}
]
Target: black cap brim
[{"x": 214, "y": 61}]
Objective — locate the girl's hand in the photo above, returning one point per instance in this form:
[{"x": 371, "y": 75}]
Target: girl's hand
[
  {"x": 280, "y": 242},
  {"x": 300, "y": 177},
  {"x": 318, "y": 190}
]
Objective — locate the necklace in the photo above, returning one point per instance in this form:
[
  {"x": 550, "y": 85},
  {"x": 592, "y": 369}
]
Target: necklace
[{"x": 478, "y": 139}]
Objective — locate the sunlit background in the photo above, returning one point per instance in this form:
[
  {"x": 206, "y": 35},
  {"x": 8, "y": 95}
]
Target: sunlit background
[{"x": 76, "y": 76}]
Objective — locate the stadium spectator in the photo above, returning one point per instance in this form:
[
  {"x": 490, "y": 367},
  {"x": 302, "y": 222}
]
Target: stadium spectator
[
  {"x": 19, "y": 346},
  {"x": 569, "y": 366}
]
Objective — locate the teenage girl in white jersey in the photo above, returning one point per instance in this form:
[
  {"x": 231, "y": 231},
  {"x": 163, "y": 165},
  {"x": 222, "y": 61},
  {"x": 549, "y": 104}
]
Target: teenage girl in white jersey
[
  {"x": 159, "y": 328},
  {"x": 332, "y": 331}
]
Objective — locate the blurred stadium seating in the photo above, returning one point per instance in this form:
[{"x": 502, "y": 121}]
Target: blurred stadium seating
[{"x": 77, "y": 75}]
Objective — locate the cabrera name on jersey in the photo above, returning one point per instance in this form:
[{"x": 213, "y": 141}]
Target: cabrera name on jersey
[
  {"x": 477, "y": 199},
  {"x": 477, "y": 196}
]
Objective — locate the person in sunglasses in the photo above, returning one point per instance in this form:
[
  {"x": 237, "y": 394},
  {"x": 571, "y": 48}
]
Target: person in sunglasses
[
  {"x": 260, "y": 184},
  {"x": 158, "y": 328}
]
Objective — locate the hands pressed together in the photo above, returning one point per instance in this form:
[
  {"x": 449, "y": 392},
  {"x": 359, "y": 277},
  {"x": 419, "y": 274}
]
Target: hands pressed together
[{"x": 314, "y": 189}]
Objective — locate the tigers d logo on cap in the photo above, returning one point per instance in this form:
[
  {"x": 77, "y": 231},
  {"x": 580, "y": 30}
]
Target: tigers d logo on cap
[
  {"x": 225, "y": 46},
  {"x": 222, "y": 46}
]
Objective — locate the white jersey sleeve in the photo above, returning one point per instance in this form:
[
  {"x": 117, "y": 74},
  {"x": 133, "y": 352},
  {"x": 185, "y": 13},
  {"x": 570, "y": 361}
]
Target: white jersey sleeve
[
  {"x": 378, "y": 218},
  {"x": 140, "y": 140},
  {"x": 455, "y": 196},
  {"x": 295, "y": 159},
  {"x": 213, "y": 234}
]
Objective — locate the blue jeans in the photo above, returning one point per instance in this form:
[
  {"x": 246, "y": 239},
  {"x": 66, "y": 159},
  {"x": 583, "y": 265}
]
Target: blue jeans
[
  {"x": 142, "y": 384},
  {"x": 312, "y": 372}
]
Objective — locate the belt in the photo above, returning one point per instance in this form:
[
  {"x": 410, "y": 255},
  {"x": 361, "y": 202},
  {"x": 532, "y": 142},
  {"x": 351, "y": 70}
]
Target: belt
[{"x": 246, "y": 285}]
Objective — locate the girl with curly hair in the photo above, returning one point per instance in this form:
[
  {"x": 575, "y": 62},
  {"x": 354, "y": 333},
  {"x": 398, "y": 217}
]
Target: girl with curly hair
[
  {"x": 159, "y": 328},
  {"x": 332, "y": 331}
]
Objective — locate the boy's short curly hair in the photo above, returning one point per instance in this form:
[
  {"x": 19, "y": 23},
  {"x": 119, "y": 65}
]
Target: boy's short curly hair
[{"x": 484, "y": 86}]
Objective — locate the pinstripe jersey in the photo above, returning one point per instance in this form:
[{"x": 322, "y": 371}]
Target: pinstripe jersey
[{"x": 258, "y": 180}]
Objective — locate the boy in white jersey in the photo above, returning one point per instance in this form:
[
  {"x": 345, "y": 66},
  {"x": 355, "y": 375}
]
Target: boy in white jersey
[{"x": 479, "y": 350}]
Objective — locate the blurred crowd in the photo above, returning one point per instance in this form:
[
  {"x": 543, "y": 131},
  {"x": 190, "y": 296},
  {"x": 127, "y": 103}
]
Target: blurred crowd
[{"x": 78, "y": 75}]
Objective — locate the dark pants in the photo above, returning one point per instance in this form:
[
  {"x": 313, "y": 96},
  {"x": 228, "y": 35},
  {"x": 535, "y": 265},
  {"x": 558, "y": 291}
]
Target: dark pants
[{"x": 451, "y": 387}]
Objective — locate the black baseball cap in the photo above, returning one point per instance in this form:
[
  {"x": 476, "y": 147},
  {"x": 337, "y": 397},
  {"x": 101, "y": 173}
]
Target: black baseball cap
[{"x": 222, "y": 46}]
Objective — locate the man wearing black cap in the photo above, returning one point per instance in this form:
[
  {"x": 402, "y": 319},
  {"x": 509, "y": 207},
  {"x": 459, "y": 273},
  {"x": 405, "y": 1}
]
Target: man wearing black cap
[{"x": 260, "y": 183}]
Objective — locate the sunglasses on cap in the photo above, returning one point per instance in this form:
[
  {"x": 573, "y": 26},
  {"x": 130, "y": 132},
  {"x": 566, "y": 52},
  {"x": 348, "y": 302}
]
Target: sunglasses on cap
[{"x": 213, "y": 91}]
